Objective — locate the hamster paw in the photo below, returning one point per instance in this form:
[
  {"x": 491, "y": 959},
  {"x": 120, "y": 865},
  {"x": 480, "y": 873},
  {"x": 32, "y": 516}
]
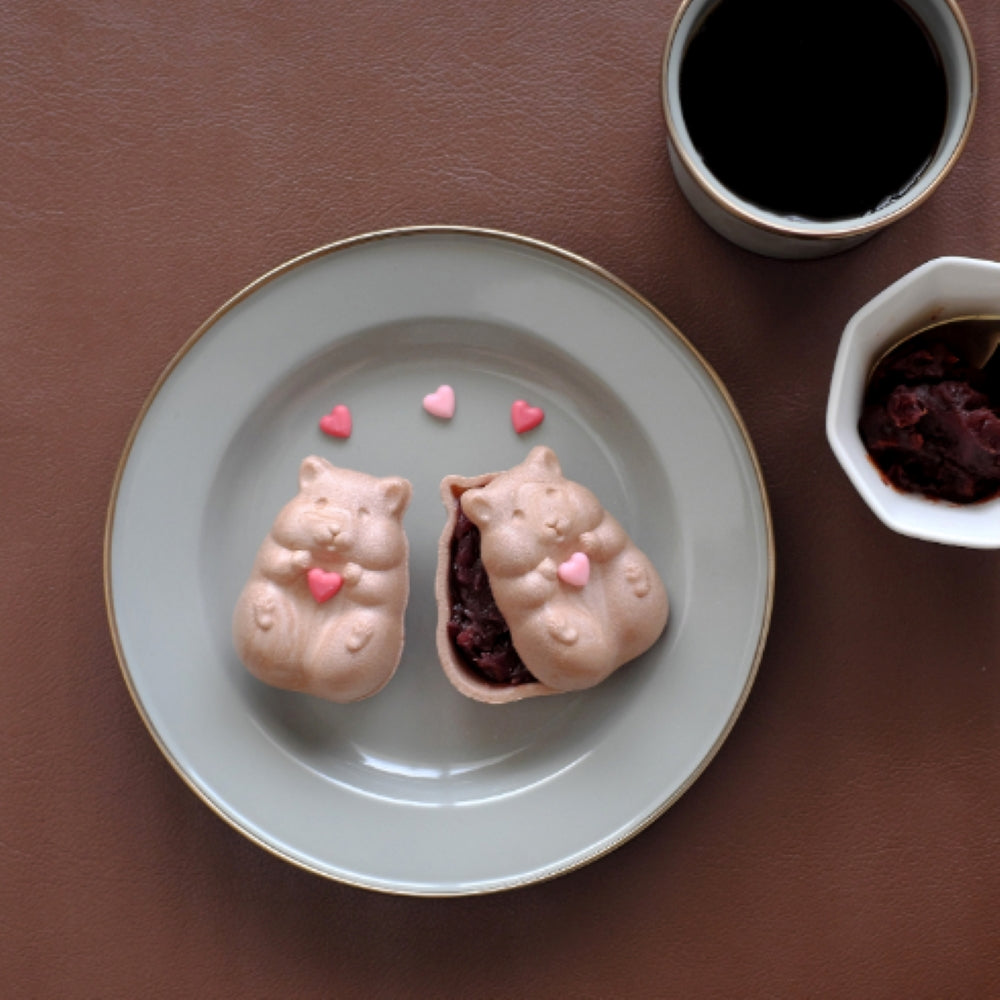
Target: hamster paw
[
  {"x": 561, "y": 630},
  {"x": 359, "y": 636},
  {"x": 263, "y": 612},
  {"x": 638, "y": 579},
  {"x": 548, "y": 569}
]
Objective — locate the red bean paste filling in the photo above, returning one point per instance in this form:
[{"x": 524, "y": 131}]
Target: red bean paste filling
[
  {"x": 476, "y": 628},
  {"x": 930, "y": 424}
]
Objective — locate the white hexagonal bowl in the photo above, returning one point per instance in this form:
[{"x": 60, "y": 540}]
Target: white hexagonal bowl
[{"x": 943, "y": 288}]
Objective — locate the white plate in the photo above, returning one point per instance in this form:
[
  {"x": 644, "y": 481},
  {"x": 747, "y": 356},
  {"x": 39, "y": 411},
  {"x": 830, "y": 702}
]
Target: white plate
[{"x": 420, "y": 790}]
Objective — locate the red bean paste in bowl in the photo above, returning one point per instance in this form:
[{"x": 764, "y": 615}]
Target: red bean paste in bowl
[
  {"x": 476, "y": 627},
  {"x": 931, "y": 425}
]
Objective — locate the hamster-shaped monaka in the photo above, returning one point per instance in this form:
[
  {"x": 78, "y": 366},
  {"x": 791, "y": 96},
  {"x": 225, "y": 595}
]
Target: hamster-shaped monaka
[
  {"x": 578, "y": 597},
  {"x": 322, "y": 611}
]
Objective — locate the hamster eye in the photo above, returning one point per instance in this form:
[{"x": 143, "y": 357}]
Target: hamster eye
[
  {"x": 363, "y": 512},
  {"x": 320, "y": 502},
  {"x": 551, "y": 491},
  {"x": 518, "y": 513}
]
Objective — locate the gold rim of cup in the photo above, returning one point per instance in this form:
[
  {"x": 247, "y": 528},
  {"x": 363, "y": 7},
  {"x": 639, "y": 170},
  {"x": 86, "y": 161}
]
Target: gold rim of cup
[{"x": 772, "y": 234}]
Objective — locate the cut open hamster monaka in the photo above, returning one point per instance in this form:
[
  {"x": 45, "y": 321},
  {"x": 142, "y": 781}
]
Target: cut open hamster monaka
[{"x": 540, "y": 590}]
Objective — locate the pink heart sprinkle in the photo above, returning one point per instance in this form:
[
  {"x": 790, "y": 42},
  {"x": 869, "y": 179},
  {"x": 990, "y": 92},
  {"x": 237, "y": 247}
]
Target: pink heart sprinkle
[
  {"x": 525, "y": 417},
  {"x": 337, "y": 423},
  {"x": 323, "y": 585},
  {"x": 576, "y": 570},
  {"x": 441, "y": 403}
]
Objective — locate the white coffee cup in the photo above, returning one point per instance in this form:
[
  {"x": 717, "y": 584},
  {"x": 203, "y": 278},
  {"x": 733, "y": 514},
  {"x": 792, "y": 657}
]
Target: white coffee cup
[{"x": 775, "y": 235}]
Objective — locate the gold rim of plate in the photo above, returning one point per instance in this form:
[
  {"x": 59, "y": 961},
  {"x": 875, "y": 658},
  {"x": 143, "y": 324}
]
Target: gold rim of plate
[{"x": 346, "y": 244}]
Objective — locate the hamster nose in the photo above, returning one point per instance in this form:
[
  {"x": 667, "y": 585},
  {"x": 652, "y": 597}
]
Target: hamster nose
[{"x": 557, "y": 524}]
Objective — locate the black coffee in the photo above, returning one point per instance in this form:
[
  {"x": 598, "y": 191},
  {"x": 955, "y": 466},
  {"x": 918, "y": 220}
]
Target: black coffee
[{"x": 818, "y": 109}]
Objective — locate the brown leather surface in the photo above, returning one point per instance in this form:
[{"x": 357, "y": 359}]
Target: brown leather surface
[{"x": 155, "y": 158}]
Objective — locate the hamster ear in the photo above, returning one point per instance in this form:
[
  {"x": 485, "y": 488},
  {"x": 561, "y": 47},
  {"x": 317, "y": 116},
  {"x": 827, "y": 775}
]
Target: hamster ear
[
  {"x": 311, "y": 469},
  {"x": 397, "y": 493},
  {"x": 477, "y": 507},
  {"x": 544, "y": 459}
]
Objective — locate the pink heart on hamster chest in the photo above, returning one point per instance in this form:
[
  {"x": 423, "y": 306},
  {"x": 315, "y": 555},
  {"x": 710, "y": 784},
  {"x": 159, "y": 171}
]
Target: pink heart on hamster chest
[
  {"x": 323, "y": 585},
  {"x": 525, "y": 417},
  {"x": 337, "y": 423},
  {"x": 576, "y": 570}
]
